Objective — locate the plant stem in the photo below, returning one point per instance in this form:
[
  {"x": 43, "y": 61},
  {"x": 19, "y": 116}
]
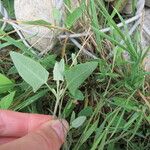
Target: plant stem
[
  {"x": 50, "y": 89},
  {"x": 57, "y": 99}
]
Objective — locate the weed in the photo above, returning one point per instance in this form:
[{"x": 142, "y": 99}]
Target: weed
[{"x": 105, "y": 100}]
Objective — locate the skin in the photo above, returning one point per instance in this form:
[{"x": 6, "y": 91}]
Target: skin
[{"x": 31, "y": 131}]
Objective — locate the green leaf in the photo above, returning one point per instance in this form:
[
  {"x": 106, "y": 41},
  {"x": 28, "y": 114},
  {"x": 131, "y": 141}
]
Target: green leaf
[
  {"x": 38, "y": 23},
  {"x": 31, "y": 71},
  {"x": 57, "y": 14},
  {"x": 7, "y": 100},
  {"x": 73, "y": 115},
  {"x": 131, "y": 121},
  {"x": 58, "y": 72},
  {"x": 90, "y": 131},
  {"x": 78, "y": 74},
  {"x": 78, "y": 122},
  {"x": 48, "y": 61},
  {"x": 5, "y": 84},
  {"x": 126, "y": 104},
  {"x": 119, "y": 119},
  {"x": 16, "y": 43},
  {"x": 74, "y": 59},
  {"x": 30, "y": 100},
  {"x": 78, "y": 95},
  {"x": 88, "y": 111},
  {"x": 74, "y": 16},
  {"x": 68, "y": 109}
]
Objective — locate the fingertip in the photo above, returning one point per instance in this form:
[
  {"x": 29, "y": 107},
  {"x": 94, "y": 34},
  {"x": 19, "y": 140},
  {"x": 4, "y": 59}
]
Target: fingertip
[
  {"x": 36, "y": 120},
  {"x": 49, "y": 136},
  {"x": 60, "y": 127}
]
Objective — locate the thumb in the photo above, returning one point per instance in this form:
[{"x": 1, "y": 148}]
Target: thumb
[{"x": 50, "y": 136}]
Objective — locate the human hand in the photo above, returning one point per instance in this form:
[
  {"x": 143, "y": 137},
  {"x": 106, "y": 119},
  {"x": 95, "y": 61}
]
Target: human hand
[{"x": 31, "y": 131}]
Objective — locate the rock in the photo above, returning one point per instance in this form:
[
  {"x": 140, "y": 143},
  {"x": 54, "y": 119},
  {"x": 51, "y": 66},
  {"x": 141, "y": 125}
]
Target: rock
[
  {"x": 41, "y": 38},
  {"x": 146, "y": 39},
  {"x": 128, "y": 8},
  {"x": 147, "y": 3},
  {"x": 125, "y": 6}
]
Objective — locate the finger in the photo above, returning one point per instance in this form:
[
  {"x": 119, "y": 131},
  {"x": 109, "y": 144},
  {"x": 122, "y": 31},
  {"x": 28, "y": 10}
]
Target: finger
[
  {"x": 6, "y": 140},
  {"x": 14, "y": 124},
  {"x": 50, "y": 136}
]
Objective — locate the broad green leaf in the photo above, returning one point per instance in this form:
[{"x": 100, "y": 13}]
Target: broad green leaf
[
  {"x": 31, "y": 71},
  {"x": 58, "y": 72},
  {"x": 78, "y": 122},
  {"x": 48, "y": 61},
  {"x": 76, "y": 75},
  {"x": 78, "y": 95},
  {"x": 7, "y": 100},
  {"x": 5, "y": 84},
  {"x": 88, "y": 111}
]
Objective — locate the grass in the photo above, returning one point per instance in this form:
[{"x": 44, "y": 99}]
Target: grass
[{"x": 106, "y": 101}]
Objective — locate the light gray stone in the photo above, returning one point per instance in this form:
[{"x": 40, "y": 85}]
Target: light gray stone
[
  {"x": 41, "y": 38},
  {"x": 147, "y": 3}
]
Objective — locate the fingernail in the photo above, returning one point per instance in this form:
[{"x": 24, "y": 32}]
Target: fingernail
[{"x": 61, "y": 128}]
